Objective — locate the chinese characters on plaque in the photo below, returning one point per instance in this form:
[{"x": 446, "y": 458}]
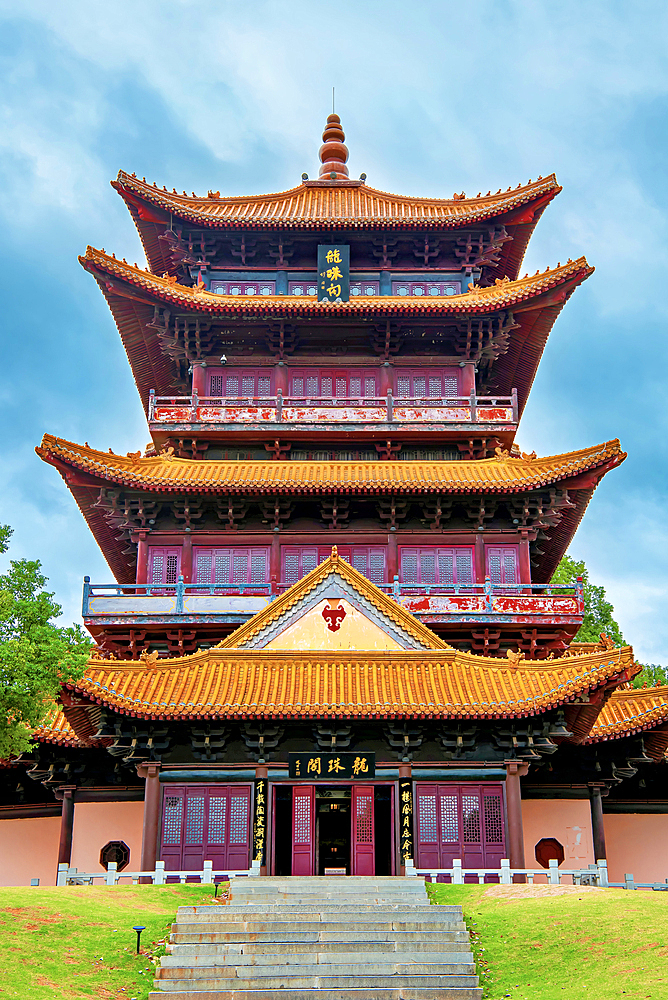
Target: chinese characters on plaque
[
  {"x": 317, "y": 766},
  {"x": 406, "y": 813},
  {"x": 333, "y": 273},
  {"x": 260, "y": 821}
]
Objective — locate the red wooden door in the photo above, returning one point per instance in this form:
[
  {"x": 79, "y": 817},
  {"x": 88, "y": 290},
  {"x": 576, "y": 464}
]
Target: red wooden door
[
  {"x": 206, "y": 823},
  {"x": 303, "y": 829},
  {"x": 502, "y": 563},
  {"x": 459, "y": 821},
  {"x": 362, "y": 833}
]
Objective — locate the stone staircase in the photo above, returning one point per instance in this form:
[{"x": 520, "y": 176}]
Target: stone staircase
[{"x": 322, "y": 939}]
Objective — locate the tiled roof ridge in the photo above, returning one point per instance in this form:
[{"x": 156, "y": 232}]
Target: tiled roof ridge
[
  {"x": 459, "y": 209},
  {"x": 238, "y": 476},
  {"x": 631, "y": 711},
  {"x": 498, "y": 296},
  {"x": 360, "y": 684},
  {"x": 298, "y": 591}
]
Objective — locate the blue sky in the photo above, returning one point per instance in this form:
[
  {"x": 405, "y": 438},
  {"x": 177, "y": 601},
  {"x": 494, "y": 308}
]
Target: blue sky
[{"x": 435, "y": 97}]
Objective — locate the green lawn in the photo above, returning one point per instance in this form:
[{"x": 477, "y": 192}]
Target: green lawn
[
  {"x": 77, "y": 941},
  {"x": 588, "y": 943}
]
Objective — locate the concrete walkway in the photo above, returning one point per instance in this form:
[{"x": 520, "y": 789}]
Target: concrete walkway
[{"x": 322, "y": 939}]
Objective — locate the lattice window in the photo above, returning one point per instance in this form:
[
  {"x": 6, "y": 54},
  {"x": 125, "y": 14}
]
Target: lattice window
[
  {"x": 298, "y": 386},
  {"x": 216, "y": 386},
  {"x": 355, "y": 385},
  {"x": 376, "y": 571},
  {"x": 247, "y": 385},
  {"x": 471, "y": 818},
  {"x": 403, "y": 386},
  {"x": 222, "y": 562},
  {"x": 203, "y": 569},
  {"x": 419, "y": 386},
  {"x": 446, "y": 570},
  {"x": 449, "y": 819},
  {"x": 370, "y": 388},
  {"x": 493, "y": 819},
  {"x": 341, "y": 388},
  {"x": 302, "y": 831},
  {"x": 409, "y": 567},
  {"x": 450, "y": 385},
  {"x": 502, "y": 564},
  {"x": 364, "y": 819},
  {"x": 264, "y": 385},
  {"x": 217, "y": 817},
  {"x": 232, "y": 386},
  {"x": 238, "y": 819},
  {"x": 240, "y": 567},
  {"x": 326, "y": 386},
  {"x": 291, "y": 567},
  {"x": 359, "y": 561},
  {"x": 435, "y": 388},
  {"x": 427, "y": 828},
  {"x": 173, "y": 819},
  {"x": 464, "y": 567},
  {"x": 510, "y": 567},
  {"x": 172, "y": 570},
  {"x": 258, "y": 567},
  {"x": 158, "y": 565},
  {"x": 428, "y": 567},
  {"x": 312, "y": 386},
  {"x": 194, "y": 819}
]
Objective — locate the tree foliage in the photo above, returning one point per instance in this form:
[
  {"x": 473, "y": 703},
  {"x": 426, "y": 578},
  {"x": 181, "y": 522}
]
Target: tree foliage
[
  {"x": 36, "y": 656},
  {"x": 598, "y": 611}
]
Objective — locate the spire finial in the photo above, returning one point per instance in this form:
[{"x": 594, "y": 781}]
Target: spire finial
[{"x": 333, "y": 153}]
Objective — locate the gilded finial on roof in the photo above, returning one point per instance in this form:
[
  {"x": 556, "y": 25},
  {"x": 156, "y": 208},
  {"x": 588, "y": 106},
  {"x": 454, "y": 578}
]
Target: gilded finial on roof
[
  {"x": 333, "y": 153},
  {"x": 335, "y": 553}
]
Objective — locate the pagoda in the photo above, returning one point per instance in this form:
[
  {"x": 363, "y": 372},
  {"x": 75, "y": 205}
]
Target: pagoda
[
  {"x": 283, "y": 422},
  {"x": 331, "y": 643}
]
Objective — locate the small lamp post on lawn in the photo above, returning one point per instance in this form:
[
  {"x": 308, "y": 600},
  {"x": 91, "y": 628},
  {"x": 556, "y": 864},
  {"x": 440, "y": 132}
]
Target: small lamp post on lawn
[{"x": 138, "y": 930}]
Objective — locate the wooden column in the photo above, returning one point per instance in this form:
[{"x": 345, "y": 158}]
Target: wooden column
[
  {"x": 392, "y": 558},
  {"x": 150, "y": 771},
  {"x": 479, "y": 556},
  {"x": 386, "y": 379},
  {"x": 142, "y": 559},
  {"x": 596, "y": 792},
  {"x": 199, "y": 378},
  {"x": 187, "y": 559},
  {"x": 515, "y": 770},
  {"x": 275, "y": 559},
  {"x": 66, "y": 792},
  {"x": 281, "y": 377},
  {"x": 525, "y": 559}
]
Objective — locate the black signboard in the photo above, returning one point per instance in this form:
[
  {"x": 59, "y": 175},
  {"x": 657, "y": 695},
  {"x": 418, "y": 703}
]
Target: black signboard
[
  {"x": 333, "y": 273},
  {"x": 316, "y": 766}
]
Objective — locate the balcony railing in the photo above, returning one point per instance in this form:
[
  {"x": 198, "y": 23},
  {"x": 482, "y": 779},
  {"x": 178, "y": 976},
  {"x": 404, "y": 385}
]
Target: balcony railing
[
  {"x": 434, "y": 602},
  {"x": 280, "y": 409}
]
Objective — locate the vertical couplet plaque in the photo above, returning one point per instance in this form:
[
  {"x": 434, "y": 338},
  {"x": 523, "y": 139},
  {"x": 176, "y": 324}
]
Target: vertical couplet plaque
[
  {"x": 260, "y": 821},
  {"x": 406, "y": 820},
  {"x": 333, "y": 273}
]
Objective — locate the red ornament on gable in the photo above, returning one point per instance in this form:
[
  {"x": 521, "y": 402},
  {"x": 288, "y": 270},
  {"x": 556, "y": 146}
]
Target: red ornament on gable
[{"x": 334, "y": 617}]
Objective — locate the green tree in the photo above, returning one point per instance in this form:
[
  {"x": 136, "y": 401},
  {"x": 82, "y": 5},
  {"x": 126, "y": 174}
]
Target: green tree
[
  {"x": 36, "y": 656},
  {"x": 598, "y": 611},
  {"x": 651, "y": 675}
]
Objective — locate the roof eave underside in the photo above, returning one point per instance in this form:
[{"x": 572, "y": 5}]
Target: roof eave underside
[{"x": 509, "y": 264}]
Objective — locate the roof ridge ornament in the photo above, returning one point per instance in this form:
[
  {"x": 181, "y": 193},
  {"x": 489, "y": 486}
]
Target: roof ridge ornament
[{"x": 333, "y": 152}]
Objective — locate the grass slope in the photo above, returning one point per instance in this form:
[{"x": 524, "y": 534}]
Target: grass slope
[
  {"x": 551, "y": 944},
  {"x": 77, "y": 942}
]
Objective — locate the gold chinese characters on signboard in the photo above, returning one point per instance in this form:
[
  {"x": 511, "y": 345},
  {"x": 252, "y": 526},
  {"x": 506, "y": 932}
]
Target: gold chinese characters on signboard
[{"x": 331, "y": 765}]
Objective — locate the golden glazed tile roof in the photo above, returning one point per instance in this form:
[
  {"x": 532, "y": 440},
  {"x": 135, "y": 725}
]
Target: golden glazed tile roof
[
  {"x": 503, "y": 474},
  {"x": 237, "y": 684},
  {"x": 628, "y": 712},
  {"x": 321, "y": 204},
  {"x": 56, "y": 729},
  {"x": 504, "y": 295}
]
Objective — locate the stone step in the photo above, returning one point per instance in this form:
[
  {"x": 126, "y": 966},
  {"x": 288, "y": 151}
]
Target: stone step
[
  {"x": 204, "y": 913},
  {"x": 324, "y": 993},
  {"x": 345, "y": 983},
  {"x": 347, "y": 945},
  {"x": 280, "y": 970},
  {"x": 282, "y": 934},
  {"x": 319, "y": 953}
]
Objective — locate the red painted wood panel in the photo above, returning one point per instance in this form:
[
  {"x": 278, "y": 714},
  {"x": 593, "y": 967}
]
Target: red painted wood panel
[
  {"x": 206, "y": 823},
  {"x": 303, "y": 829},
  {"x": 363, "y": 831},
  {"x": 459, "y": 821}
]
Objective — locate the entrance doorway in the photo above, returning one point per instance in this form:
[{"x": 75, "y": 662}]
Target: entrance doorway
[{"x": 333, "y": 829}]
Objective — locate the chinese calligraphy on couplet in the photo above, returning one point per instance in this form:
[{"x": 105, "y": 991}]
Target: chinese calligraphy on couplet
[{"x": 333, "y": 273}]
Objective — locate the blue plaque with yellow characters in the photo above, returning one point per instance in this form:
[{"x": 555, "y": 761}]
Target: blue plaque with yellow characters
[{"x": 334, "y": 273}]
